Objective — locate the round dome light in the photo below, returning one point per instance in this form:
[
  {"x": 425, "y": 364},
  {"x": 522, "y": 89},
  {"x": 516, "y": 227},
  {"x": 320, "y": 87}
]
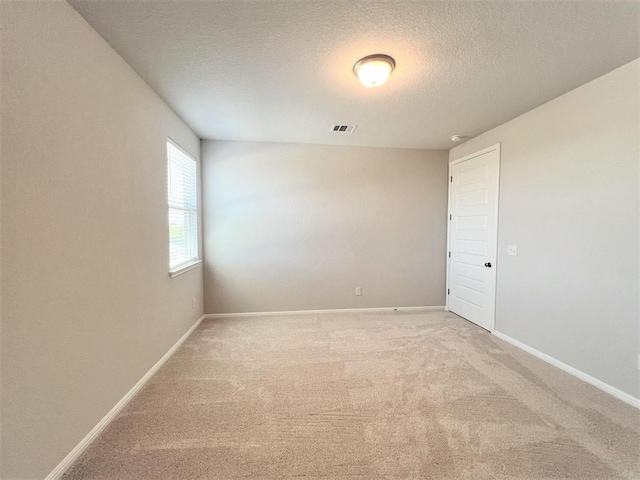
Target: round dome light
[{"x": 374, "y": 70}]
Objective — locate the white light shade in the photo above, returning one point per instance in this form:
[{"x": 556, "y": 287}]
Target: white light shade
[{"x": 374, "y": 70}]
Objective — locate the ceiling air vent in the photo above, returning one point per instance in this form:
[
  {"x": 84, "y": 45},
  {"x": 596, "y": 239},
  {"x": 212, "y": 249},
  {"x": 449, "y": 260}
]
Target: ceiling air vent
[{"x": 343, "y": 128}]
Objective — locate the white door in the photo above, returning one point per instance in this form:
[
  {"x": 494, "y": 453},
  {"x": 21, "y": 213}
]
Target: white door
[{"x": 473, "y": 236}]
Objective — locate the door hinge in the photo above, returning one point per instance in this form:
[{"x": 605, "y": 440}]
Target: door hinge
[
  {"x": 452, "y": 179},
  {"x": 449, "y": 216},
  {"x": 448, "y": 291},
  {"x": 449, "y": 254}
]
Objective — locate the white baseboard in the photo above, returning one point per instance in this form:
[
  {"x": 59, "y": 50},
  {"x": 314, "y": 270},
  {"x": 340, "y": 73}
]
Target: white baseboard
[
  {"x": 337, "y": 310},
  {"x": 79, "y": 449},
  {"x": 605, "y": 387}
]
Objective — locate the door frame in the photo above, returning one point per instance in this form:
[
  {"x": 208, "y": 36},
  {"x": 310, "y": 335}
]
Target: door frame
[{"x": 492, "y": 148}]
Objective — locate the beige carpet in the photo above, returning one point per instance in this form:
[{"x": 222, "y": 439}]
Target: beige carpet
[{"x": 363, "y": 396}]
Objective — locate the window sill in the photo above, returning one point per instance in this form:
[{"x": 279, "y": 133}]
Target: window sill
[{"x": 184, "y": 268}]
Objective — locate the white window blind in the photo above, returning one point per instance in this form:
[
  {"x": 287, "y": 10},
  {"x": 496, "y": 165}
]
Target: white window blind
[{"x": 183, "y": 208}]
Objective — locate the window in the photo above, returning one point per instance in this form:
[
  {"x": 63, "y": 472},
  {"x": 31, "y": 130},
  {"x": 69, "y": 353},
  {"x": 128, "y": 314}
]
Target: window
[{"x": 183, "y": 209}]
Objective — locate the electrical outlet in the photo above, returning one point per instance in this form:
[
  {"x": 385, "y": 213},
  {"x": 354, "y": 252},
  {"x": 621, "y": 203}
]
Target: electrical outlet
[
  {"x": 358, "y": 291},
  {"x": 512, "y": 250}
]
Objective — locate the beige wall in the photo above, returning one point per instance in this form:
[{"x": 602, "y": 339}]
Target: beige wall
[
  {"x": 88, "y": 306},
  {"x": 569, "y": 201},
  {"x": 299, "y": 227}
]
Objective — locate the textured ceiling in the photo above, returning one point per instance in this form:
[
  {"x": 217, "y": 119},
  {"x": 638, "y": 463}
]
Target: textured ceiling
[{"x": 281, "y": 71}]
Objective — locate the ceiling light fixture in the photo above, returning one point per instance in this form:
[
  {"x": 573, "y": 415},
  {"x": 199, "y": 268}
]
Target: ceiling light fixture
[{"x": 374, "y": 70}]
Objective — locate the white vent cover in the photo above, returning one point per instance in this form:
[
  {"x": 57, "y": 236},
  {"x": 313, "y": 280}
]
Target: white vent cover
[{"x": 343, "y": 128}]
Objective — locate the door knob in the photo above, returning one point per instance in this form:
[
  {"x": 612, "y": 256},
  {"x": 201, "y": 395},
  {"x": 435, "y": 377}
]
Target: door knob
[{"x": 488, "y": 264}]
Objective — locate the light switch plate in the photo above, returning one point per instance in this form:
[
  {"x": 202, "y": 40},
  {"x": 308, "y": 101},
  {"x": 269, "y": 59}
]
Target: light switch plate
[{"x": 512, "y": 250}]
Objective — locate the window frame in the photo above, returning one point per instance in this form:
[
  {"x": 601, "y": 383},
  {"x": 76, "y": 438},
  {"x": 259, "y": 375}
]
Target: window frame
[{"x": 195, "y": 261}]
